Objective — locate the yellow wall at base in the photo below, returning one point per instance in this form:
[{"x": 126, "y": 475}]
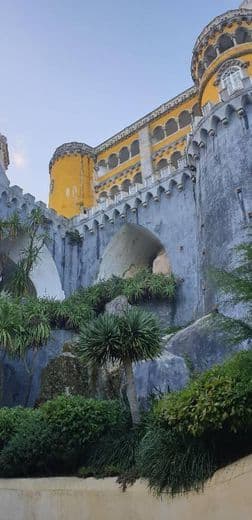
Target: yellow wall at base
[
  {"x": 71, "y": 185},
  {"x": 226, "y": 497}
]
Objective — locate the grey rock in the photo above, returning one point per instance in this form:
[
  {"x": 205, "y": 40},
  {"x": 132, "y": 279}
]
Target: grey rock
[{"x": 117, "y": 306}]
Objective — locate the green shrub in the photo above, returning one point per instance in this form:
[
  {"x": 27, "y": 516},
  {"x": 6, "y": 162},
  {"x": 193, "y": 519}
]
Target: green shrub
[
  {"x": 219, "y": 399},
  {"x": 30, "y": 450},
  {"x": 173, "y": 463},
  {"x": 57, "y": 437},
  {"x": 10, "y": 421}
]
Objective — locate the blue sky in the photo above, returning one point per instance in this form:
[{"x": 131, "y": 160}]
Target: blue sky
[{"x": 76, "y": 70}]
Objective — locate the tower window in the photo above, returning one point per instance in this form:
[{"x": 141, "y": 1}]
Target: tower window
[{"x": 232, "y": 80}]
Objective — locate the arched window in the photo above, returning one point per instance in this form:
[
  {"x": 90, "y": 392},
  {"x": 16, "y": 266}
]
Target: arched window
[
  {"x": 114, "y": 191},
  {"x": 134, "y": 149},
  {"x": 231, "y": 79},
  {"x": 175, "y": 158},
  {"x": 184, "y": 118},
  {"x": 103, "y": 196},
  {"x": 125, "y": 185},
  {"x": 225, "y": 42},
  {"x": 138, "y": 178},
  {"x": 210, "y": 55},
  {"x": 161, "y": 164},
  {"x": 112, "y": 160},
  {"x": 242, "y": 35},
  {"x": 124, "y": 154},
  {"x": 102, "y": 168},
  {"x": 158, "y": 134},
  {"x": 171, "y": 126}
]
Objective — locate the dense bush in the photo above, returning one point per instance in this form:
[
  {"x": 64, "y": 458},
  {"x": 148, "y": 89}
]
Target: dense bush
[
  {"x": 57, "y": 437},
  {"x": 200, "y": 428},
  {"x": 172, "y": 462},
  {"x": 11, "y": 419},
  {"x": 219, "y": 399}
]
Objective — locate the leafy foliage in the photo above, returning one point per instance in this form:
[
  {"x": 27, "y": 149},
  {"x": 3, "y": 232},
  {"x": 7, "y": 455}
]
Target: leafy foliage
[
  {"x": 135, "y": 336},
  {"x": 20, "y": 283},
  {"x": 173, "y": 463},
  {"x": 56, "y": 437},
  {"x": 219, "y": 399},
  {"x": 22, "y": 325},
  {"x": 237, "y": 285}
]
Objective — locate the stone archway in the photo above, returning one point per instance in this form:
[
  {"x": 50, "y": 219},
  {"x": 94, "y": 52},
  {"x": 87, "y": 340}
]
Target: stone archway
[
  {"x": 44, "y": 277},
  {"x": 131, "y": 248}
]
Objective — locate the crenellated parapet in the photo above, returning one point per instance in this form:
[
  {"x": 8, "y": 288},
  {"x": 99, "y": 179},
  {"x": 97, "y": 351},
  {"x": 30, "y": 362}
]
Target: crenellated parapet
[
  {"x": 219, "y": 116},
  {"x": 140, "y": 195}
]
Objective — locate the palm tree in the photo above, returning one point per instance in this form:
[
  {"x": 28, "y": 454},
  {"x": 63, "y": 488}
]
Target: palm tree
[{"x": 131, "y": 337}]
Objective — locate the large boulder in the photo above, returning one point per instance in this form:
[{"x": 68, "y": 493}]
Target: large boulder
[{"x": 206, "y": 342}]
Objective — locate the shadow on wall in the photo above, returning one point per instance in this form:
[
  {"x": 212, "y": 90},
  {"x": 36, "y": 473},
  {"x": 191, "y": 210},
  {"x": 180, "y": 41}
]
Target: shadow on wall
[{"x": 131, "y": 248}]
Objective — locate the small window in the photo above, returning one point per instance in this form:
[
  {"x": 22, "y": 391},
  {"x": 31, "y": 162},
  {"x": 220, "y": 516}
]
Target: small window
[
  {"x": 102, "y": 168},
  {"x": 171, "y": 126},
  {"x": 232, "y": 80},
  {"x": 124, "y": 154},
  {"x": 113, "y": 161},
  {"x": 134, "y": 148},
  {"x": 184, "y": 119},
  {"x": 158, "y": 134}
]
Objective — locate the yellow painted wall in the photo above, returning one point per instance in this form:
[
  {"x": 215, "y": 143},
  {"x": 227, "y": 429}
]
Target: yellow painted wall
[
  {"x": 210, "y": 91},
  {"x": 226, "y": 497},
  {"x": 71, "y": 185}
]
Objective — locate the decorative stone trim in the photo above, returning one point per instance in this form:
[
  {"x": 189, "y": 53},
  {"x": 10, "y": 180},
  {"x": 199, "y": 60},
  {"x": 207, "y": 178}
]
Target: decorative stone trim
[
  {"x": 84, "y": 149},
  {"x": 172, "y": 146},
  {"x": 73, "y": 148},
  {"x": 230, "y": 63},
  {"x": 118, "y": 175},
  {"x": 217, "y": 24},
  {"x": 4, "y": 149}
]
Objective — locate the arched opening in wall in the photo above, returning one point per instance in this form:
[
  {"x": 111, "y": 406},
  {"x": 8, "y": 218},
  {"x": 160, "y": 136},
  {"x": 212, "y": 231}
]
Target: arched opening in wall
[
  {"x": 138, "y": 178},
  {"x": 231, "y": 79},
  {"x": 175, "y": 158},
  {"x": 125, "y": 185},
  {"x": 161, "y": 164},
  {"x": 210, "y": 55},
  {"x": 242, "y": 35},
  {"x": 44, "y": 277},
  {"x": 113, "y": 161},
  {"x": 102, "y": 168},
  {"x": 225, "y": 42},
  {"x": 132, "y": 248},
  {"x": 171, "y": 126},
  {"x": 103, "y": 196},
  {"x": 184, "y": 119},
  {"x": 124, "y": 154},
  {"x": 114, "y": 191},
  {"x": 158, "y": 134},
  {"x": 134, "y": 149}
]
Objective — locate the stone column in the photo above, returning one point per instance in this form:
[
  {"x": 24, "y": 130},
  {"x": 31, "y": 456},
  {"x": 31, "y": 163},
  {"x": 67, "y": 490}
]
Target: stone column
[{"x": 145, "y": 152}]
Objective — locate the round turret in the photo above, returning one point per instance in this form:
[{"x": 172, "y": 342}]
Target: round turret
[
  {"x": 222, "y": 56},
  {"x": 71, "y": 179}
]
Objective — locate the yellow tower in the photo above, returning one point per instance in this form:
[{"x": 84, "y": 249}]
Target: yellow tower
[
  {"x": 71, "y": 179},
  {"x": 222, "y": 56}
]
